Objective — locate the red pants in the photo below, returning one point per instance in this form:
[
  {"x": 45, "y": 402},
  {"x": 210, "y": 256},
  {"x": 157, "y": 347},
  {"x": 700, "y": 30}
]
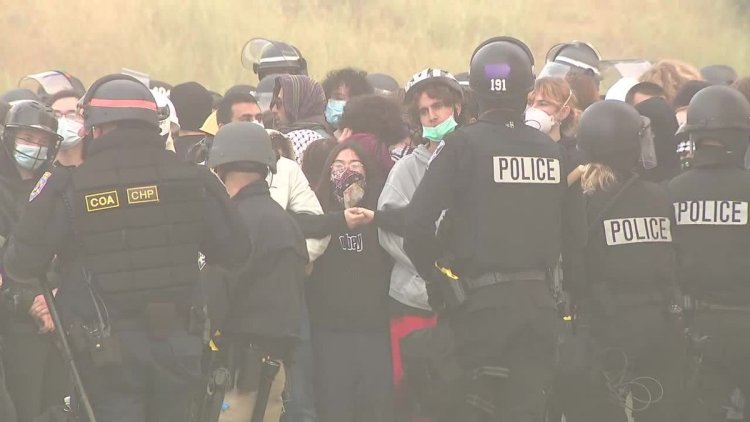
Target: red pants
[{"x": 402, "y": 326}]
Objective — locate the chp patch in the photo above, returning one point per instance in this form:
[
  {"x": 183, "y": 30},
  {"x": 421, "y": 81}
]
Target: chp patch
[
  {"x": 39, "y": 186},
  {"x": 143, "y": 195},
  {"x": 102, "y": 201}
]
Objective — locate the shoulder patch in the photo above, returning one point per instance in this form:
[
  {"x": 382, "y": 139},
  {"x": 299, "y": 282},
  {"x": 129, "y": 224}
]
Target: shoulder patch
[{"x": 39, "y": 186}]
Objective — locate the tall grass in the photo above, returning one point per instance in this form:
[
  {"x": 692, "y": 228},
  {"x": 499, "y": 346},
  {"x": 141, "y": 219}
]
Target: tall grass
[{"x": 180, "y": 40}]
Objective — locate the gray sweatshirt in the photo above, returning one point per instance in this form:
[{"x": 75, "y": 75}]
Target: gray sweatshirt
[{"x": 407, "y": 286}]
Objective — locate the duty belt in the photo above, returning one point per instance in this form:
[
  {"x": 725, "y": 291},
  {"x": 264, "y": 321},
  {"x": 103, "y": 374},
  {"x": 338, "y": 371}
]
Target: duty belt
[{"x": 490, "y": 279}]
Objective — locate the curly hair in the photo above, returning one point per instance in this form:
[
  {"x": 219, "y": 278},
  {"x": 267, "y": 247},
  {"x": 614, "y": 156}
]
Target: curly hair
[
  {"x": 355, "y": 80},
  {"x": 671, "y": 75},
  {"x": 374, "y": 114},
  {"x": 438, "y": 90}
]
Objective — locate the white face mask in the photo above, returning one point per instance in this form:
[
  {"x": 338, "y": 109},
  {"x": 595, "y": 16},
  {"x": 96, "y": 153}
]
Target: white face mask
[
  {"x": 69, "y": 129},
  {"x": 540, "y": 120}
]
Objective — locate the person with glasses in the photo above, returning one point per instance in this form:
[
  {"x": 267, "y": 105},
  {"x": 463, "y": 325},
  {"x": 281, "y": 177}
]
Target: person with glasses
[
  {"x": 69, "y": 125},
  {"x": 348, "y": 294},
  {"x": 35, "y": 374}
]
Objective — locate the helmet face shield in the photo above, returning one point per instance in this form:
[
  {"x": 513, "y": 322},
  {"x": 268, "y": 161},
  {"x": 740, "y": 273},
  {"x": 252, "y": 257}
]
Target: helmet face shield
[
  {"x": 555, "y": 70},
  {"x": 49, "y": 83}
]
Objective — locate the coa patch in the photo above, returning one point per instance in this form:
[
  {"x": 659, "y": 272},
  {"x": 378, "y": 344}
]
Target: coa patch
[
  {"x": 39, "y": 186},
  {"x": 102, "y": 201}
]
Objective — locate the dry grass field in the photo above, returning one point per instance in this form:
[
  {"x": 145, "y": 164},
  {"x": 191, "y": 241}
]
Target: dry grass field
[{"x": 179, "y": 40}]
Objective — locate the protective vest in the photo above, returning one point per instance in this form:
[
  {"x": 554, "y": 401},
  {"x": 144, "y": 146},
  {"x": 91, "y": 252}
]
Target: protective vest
[
  {"x": 509, "y": 218},
  {"x": 137, "y": 214},
  {"x": 712, "y": 232}
]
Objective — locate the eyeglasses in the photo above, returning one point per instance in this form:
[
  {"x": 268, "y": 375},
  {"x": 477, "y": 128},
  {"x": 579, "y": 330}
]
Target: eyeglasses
[
  {"x": 355, "y": 166},
  {"x": 72, "y": 115}
]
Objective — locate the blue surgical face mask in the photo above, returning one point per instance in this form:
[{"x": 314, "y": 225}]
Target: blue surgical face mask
[
  {"x": 437, "y": 133},
  {"x": 334, "y": 111},
  {"x": 30, "y": 157}
]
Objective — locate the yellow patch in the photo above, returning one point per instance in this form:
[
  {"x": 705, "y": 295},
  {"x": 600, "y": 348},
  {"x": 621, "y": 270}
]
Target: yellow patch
[
  {"x": 143, "y": 195},
  {"x": 102, "y": 201}
]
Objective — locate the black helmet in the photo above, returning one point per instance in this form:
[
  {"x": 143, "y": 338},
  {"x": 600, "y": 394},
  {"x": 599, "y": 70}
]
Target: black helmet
[
  {"x": 18, "y": 94},
  {"x": 116, "y": 98},
  {"x": 502, "y": 68},
  {"x": 719, "y": 74},
  {"x": 419, "y": 80},
  {"x": 463, "y": 79},
  {"x": 717, "y": 110},
  {"x": 610, "y": 133},
  {"x": 242, "y": 142},
  {"x": 264, "y": 57},
  {"x": 382, "y": 83},
  {"x": 563, "y": 57},
  {"x": 32, "y": 114}
]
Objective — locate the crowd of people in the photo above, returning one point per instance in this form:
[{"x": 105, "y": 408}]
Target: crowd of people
[{"x": 497, "y": 245}]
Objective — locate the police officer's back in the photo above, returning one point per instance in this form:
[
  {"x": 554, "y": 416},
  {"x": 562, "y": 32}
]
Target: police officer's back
[
  {"x": 127, "y": 226},
  {"x": 265, "y": 302},
  {"x": 712, "y": 235},
  {"x": 503, "y": 186},
  {"x": 631, "y": 275}
]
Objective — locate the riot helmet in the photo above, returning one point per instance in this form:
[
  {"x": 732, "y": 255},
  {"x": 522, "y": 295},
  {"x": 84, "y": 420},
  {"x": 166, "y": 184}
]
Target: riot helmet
[
  {"x": 15, "y": 95},
  {"x": 719, "y": 74},
  {"x": 33, "y": 116},
  {"x": 572, "y": 56},
  {"x": 265, "y": 57},
  {"x": 611, "y": 132},
  {"x": 718, "y": 113},
  {"x": 502, "y": 69},
  {"x": 242, "y": 142},
  {"x": 117, "y": 98}
]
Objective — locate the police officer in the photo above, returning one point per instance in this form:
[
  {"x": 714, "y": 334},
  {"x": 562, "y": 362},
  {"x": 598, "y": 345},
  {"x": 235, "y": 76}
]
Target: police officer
[
  {"x": 631, "y": 279},
  {"x": 127, "y": 226},
  {"x": 35, "y": 373},
  {"x": 503, "y": 186},
  {"x": 712, "y": 236},
  {"x": 264, "y": 313}
]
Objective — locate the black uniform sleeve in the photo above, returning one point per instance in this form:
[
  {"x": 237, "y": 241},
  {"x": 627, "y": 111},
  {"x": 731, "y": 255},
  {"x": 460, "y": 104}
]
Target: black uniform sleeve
[
  {"x": 225, "y": 240},
  {"x": 574, "y": 232},
  {"x": 320, "y": 226},
  {"x": 41, "y": 233},
  {"x": 435, "y": 193}
]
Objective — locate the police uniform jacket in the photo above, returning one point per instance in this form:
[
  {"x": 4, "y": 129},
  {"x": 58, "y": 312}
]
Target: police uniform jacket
[
  {"x": 503, "y": 184},
  {"x": 127, "y": 226},
  {"x": 629, "y": 249},
  {"x": 711, "y": 232},
  {"x": 265, "y": 300}
]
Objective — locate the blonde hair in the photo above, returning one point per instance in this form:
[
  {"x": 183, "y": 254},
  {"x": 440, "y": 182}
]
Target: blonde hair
[
  {"x": 671, "y": 75},
  {"x": 597, "y": 177},
  {"x": 559, "y": 92}
]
